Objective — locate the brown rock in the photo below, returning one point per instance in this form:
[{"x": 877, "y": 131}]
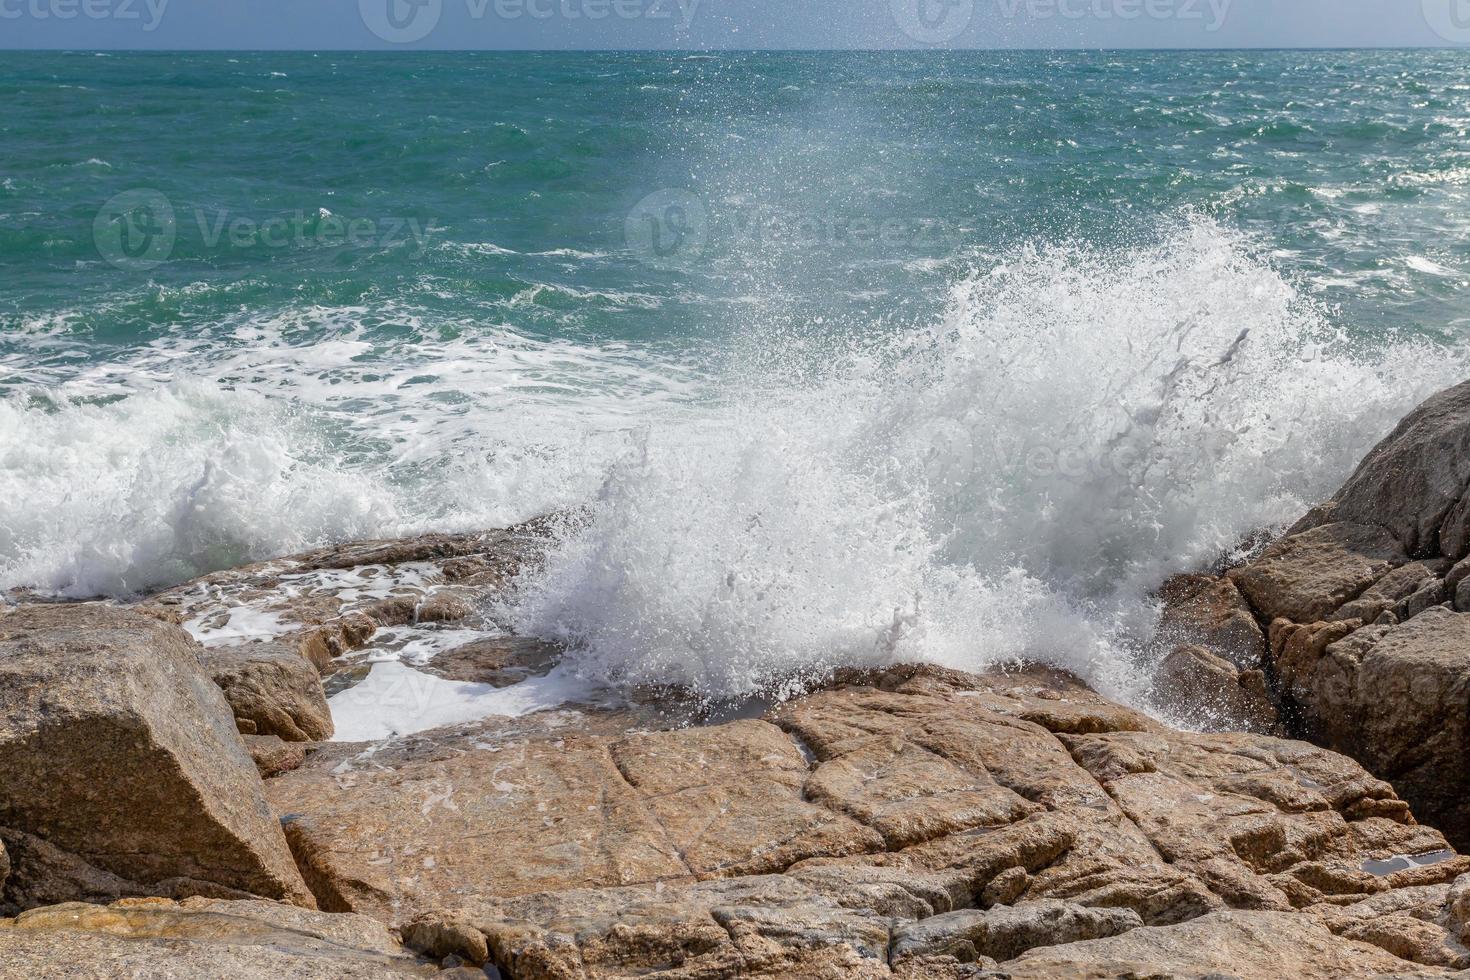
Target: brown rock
[
  {"x": 866, "y": 821},
  {"x": 1222, "y": 944},
  {"x": 1202, "y": 610},
  {"x": 730, "y": 799},
  {"x": 1398, "y": 700},
  {"x": 47, "y": 875},
  {"x": 1267, "y": 823},
  {"x": 272, "y": 690},
  {"x": 498, "y": 661},
  {"x": 443, "y": 606},
  {"x": 442, "y": 936},
  {"x": 1212, "y": 692},
  {"x": 115, "y": 747},
  {"x": 151, "y": 938},
  {"x": 432, "y": 824},
  {"x": 1308, "y": 576},
  {"x": 273, "y": 756},
  {"x": 1389, "y": 592},
  {"x": 1414, "y": 481},
  {"x": 1003, "y": 933}
]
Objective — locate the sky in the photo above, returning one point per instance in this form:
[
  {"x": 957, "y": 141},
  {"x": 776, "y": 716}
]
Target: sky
[{"x": 729, "y": 24}]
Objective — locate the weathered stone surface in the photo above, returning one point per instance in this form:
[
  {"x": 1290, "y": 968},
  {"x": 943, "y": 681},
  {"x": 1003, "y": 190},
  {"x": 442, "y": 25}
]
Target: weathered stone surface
[
  {"x": 1414, "y": 481},
  {"x": 498, "y": 661},
  {"x": 922, "y": 824},
  {"x": 116, "y": 748},
  {"x": 1003, "y": 933},
  {"x": 1367, "y": 648},
  {"x": 1202, "y": 610},
  {"x": 730, "y": 799},
  {"x": 1309, "y": 575},
  {"x": 431, "y": 824},
  {"x": 1416, "y": 582},
  {"x": 46, "y": 875},
  {"x": 273, "y": 756},
  {"x": 199, "y": 938},
  {"x": 1212, "y": 692},
  {"x": 1223, "y": 944},
  {"x": 1398, "y": 700},
  {"x": 1266, "y": 823},
  {"x": 272, "y": 690}
]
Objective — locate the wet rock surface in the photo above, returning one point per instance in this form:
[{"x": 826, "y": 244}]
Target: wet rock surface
[{"x": 1367, "y": 611}]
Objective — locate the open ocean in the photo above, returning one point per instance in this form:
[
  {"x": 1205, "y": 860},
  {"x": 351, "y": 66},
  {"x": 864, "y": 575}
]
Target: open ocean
[{"x": 848, "y": 358}]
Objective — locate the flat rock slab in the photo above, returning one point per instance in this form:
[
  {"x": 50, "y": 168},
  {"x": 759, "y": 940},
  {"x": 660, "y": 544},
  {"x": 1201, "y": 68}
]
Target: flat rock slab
[
  {"x": 118, "y": 750},
  {"x": 920, "y": 823},
  {"x": 1224, "y": 944},
  {"x": 200, "y": 938}
]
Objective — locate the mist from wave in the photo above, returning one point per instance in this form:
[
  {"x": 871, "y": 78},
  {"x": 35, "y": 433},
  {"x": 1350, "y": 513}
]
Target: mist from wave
[{"x": 1012, "y": 481}]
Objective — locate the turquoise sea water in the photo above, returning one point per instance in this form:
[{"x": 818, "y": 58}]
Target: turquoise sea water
[{"x": 853, "y": 356}]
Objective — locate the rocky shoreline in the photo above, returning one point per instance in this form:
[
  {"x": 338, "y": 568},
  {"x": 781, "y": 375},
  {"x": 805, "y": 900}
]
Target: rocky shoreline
[{"x": 169, "y": 804}]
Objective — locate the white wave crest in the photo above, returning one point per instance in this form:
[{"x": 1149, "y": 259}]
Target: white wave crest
[{"x": 1012, "y": 482}]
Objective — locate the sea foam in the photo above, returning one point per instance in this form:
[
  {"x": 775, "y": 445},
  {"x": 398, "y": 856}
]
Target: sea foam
[{"x": 1012, "y": 481}]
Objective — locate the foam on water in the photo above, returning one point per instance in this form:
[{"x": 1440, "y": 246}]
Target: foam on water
[
  {"x": 395, "y": 699},
  {"x": 1011, "y": 482},
  {"x": 280, "y": 432}
]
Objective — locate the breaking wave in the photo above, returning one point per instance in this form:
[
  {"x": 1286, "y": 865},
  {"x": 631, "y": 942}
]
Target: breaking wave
[{"x": 1012, "y": 481}]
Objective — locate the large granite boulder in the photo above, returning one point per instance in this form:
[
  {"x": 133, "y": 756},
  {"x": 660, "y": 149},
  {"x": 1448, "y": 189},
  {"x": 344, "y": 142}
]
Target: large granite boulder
[
  {"x": 913, "y": 822},
  {"x": 1414, "y": 482},
  {"x": 157, "y": 938},
  {"x": 272, "y": 690},
  {"x": 120, "y": 765},
  {"x": 1367, "y": 605}
]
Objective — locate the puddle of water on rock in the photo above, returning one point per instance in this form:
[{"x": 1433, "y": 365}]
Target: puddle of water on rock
[
  {"x": 241, "y": 624},
  {"x": 1403, "y": 862},
  {"x": 394, "y": 699}
]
